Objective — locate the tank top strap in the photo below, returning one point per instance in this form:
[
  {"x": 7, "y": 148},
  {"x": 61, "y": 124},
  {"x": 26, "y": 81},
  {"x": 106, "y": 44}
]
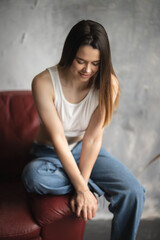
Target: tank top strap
[{"x": 56, "y": 84}]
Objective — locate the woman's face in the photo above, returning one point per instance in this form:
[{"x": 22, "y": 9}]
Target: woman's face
[{"x": 86, "y": 63}]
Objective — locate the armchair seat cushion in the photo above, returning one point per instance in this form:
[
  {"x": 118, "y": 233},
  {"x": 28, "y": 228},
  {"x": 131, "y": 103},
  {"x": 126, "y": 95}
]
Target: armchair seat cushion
[{"x": 14, "y": 212}]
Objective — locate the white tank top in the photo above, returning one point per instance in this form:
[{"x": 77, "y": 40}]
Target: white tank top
[{"x": 75, "y": 117}]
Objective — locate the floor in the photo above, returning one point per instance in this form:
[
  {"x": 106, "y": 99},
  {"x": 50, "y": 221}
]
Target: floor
[{"x": 149, "y": 229}]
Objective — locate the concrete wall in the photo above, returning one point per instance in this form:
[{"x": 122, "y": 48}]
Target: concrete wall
[{"x": 32, "y": 34}]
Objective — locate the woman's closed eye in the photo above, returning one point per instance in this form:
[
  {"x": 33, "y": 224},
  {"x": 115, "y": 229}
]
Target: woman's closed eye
[
  {"x": 95, "y": 63},
  {"x": 80, "y": 61}
]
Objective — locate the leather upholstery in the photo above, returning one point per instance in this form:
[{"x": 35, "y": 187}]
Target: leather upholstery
[
  {"x": 18, "y": 125},
  {"x": 22, "y": 215},
  {"x": 14, "y": 212}
]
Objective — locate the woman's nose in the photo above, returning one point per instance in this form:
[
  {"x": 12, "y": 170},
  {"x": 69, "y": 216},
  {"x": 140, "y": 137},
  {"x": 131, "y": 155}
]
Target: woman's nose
[{"x": 87, "y": 68}]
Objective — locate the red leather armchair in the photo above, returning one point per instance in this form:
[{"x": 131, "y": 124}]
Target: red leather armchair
[{"x": 23, "y": 215}]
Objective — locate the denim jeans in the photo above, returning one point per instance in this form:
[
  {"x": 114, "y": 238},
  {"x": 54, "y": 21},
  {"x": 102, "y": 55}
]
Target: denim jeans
[{"x": 109, "y": 177}]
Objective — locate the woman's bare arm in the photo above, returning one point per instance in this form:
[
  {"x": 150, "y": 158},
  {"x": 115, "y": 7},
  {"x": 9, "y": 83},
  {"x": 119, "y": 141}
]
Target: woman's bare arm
[
  {"x": 92, "y": 142},
  {"x": 43, "y": 94}
]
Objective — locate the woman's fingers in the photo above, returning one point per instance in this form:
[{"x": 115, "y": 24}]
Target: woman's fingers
[
  {"x": 73, "y": 204},
  {"x": 89, "y": 214},
  {"x": 85, "y": 214},
  {"x": 94, "y": 210},
  {"x": 78, "y": 211}
]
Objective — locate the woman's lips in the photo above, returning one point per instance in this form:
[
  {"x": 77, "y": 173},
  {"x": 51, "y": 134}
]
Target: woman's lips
[{"x": 84, "y": 75}]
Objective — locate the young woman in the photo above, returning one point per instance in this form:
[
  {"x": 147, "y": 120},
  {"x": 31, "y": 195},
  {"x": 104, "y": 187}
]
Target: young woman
[{"x": 75, "y": 100}]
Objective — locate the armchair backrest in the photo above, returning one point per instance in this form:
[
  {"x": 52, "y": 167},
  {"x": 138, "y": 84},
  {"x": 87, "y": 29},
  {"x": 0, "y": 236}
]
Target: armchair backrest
[{"x": 18, "y": 125}]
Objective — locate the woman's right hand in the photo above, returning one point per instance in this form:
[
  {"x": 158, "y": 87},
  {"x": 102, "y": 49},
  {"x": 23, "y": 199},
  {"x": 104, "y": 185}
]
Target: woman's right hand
[{"x": 84, "y": 204}]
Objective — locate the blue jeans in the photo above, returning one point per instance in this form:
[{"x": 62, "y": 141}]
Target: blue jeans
[{"x": 109, "y": 177}]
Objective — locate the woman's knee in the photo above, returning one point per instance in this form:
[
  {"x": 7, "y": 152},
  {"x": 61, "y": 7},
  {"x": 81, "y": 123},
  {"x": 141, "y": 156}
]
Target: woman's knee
[
  {"x": 135, "y": 192},
  {"x": 138, "y": 192}
]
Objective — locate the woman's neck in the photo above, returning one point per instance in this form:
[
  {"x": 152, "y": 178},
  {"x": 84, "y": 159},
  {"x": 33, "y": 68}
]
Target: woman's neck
[{"x": 67, "y": 79}]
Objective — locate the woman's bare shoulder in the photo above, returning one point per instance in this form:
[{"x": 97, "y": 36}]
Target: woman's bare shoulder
[
  {"x": 115, "y": 87},
  {"x": 114, "y": 80},
  {"x": 43, "y": 81},
  {"x": 43, "y": 76}
]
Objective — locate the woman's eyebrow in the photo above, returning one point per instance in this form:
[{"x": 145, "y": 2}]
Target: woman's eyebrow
[{"x": 85, "y": 60}]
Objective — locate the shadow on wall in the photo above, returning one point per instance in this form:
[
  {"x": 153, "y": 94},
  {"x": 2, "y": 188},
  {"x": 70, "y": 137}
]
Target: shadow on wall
[{"x": 150, "y": 162}]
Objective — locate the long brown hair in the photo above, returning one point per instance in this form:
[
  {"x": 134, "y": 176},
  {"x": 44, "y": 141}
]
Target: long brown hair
[{"x": 88, "y": 32}]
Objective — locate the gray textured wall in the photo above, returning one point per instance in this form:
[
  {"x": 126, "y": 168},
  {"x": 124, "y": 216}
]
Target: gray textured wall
[{"x": 32, "y": 34}]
